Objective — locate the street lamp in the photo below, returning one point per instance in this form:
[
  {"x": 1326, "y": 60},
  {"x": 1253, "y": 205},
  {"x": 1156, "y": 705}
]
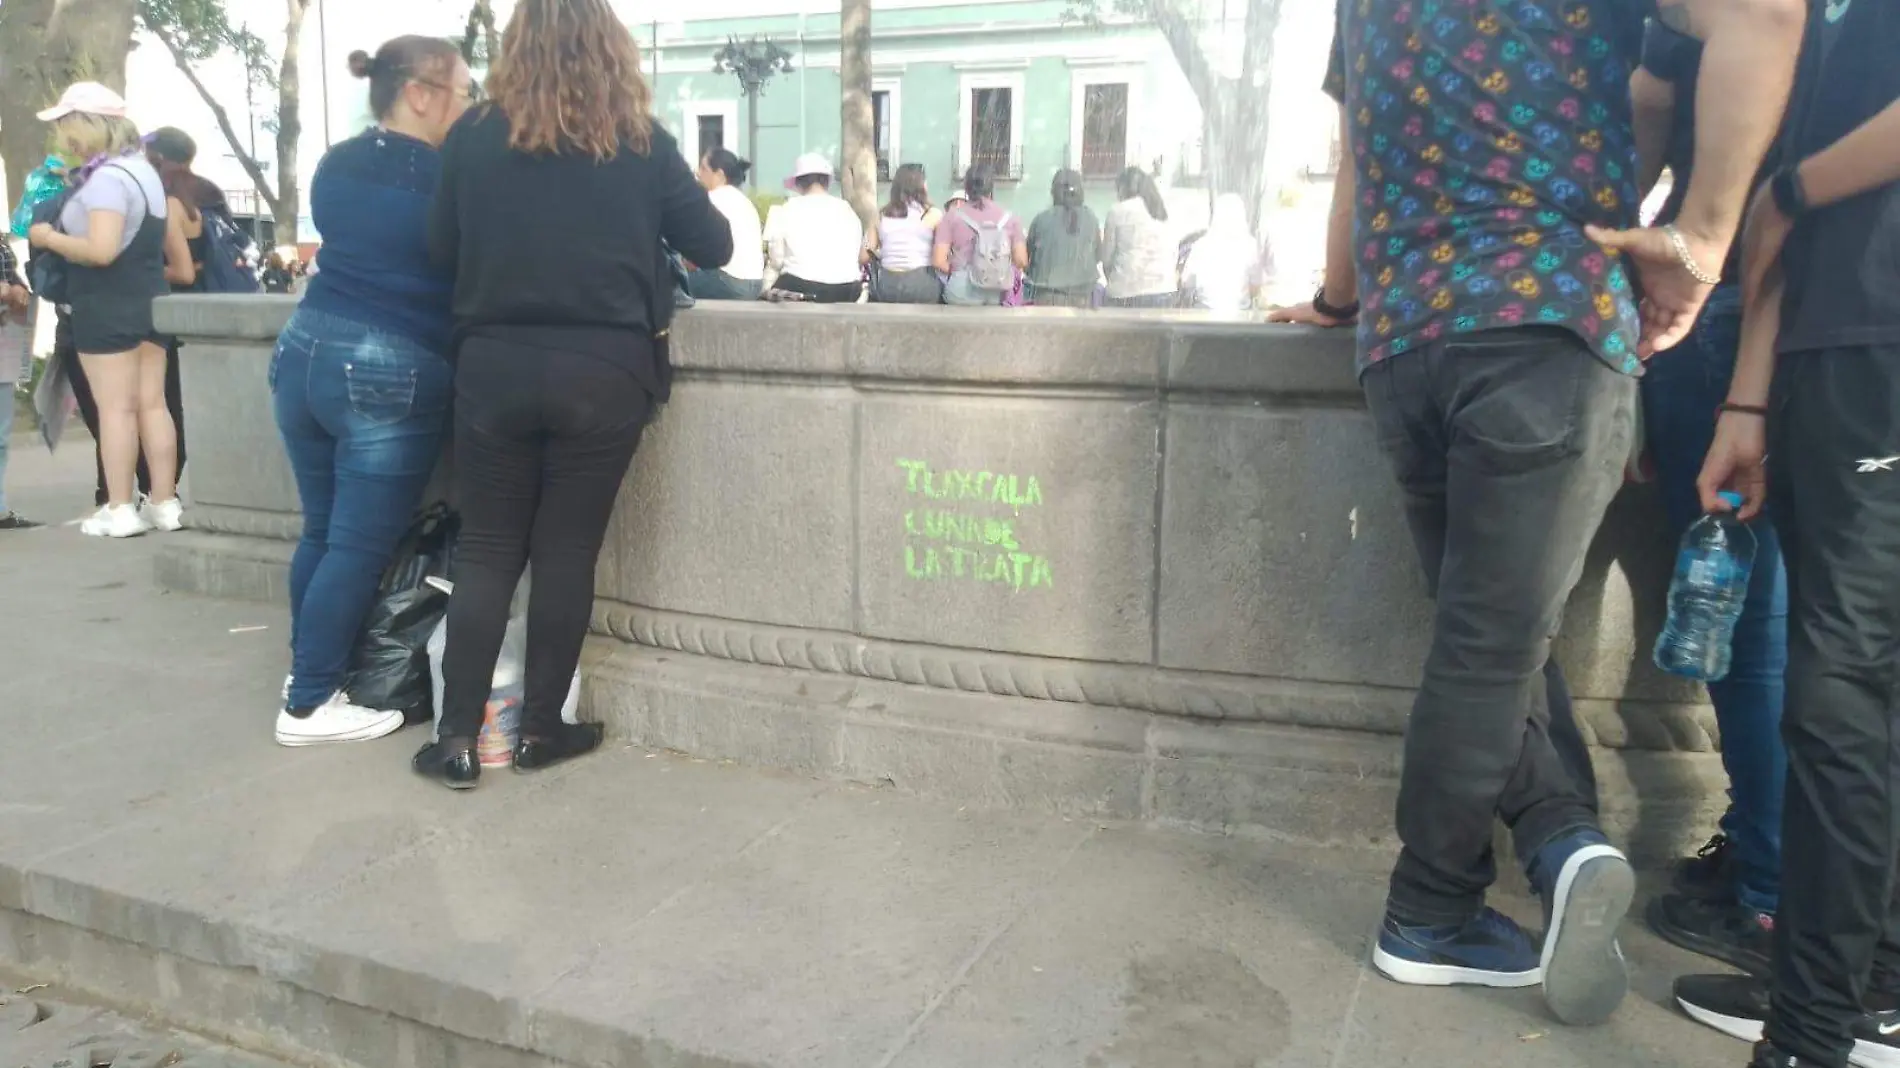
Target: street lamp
[{"x": 753, "y": 62}]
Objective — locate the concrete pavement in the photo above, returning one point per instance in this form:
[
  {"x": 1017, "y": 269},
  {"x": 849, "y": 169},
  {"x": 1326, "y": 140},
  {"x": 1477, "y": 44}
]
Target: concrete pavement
[{"x": 643, "y": 909}]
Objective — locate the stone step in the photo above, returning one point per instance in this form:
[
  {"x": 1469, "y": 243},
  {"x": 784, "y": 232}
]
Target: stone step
[{"x": 640, "y": 909}]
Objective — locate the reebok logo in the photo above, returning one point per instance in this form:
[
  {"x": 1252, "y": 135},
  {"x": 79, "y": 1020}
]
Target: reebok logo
[{"x": 1875, "y": 463}]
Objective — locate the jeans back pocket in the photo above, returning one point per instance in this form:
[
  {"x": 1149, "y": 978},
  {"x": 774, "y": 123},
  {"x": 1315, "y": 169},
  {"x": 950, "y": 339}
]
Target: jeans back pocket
[{"x": 382, "y": 385}]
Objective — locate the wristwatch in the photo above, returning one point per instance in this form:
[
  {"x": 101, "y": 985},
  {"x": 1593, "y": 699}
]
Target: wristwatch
[
  {"x": 1331, "y": 311},
  {"x": 1790, "y": 195}
]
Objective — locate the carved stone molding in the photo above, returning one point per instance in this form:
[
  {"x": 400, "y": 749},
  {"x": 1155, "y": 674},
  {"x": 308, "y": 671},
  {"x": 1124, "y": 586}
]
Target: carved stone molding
[{"x": 1194, "y": 695}]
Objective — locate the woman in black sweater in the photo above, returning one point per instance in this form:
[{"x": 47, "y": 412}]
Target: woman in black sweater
[{"x": 553, "y": 202}]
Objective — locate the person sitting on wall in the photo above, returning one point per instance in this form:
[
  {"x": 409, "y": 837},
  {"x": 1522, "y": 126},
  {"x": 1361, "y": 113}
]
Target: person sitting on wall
[
  {"x": 980, "y": 246},
  {"x": 1065, "y": 247},
  {"x": 721, "y": 173},
  {"x": 897, "y": 249},
  {"x": 813, "y": 239}
]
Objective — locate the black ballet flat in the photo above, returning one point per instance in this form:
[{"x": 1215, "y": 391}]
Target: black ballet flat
[
  {"x": 570, "y": 741},
  {"x": 454, "y": 767}
]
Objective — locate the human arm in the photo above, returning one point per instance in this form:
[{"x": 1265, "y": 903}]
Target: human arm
[
  {"x": 1653, "y": 111},
  {"x": 940, "y": 246},
  {"x": 1110, "y": 238},
  {"x": 1740, "y": 446},
  {"x": 1868, "y": 157},
  {"x": 179, "y": 270},
  {"x": 445, "y": 222},
  {"x": 1749, "y": 48},
  {"x": 14, "y": 296},
  {"x": 1671, "y": 62},
  {"x": 774, "y": 235},
  {"x": 1019, "y": 244},
  {"x": 100, "y": 246},
  {"x": 1341, "y": 285},
  {"x": 1865, "y": 158},
  {"x": 688, "y": 220},
  {"x": 872, "y": 242}
]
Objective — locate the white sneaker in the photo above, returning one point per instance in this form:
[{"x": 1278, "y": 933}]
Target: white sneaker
[
  {"x": 336, "y": 720},
  {"x": 115, "y": 521},
  {"x": 165, "y": 516}
]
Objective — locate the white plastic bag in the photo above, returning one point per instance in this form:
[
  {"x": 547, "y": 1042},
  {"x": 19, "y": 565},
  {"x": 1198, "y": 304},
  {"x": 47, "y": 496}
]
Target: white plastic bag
[{"x": 502, "y": 723}]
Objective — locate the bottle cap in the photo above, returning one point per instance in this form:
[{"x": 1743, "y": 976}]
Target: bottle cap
[{"x": 1734, "y": 499}]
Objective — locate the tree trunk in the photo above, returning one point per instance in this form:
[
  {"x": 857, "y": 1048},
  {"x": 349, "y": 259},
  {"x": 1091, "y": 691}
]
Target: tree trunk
[
  {"x": 1234, "y": 110},
  {"x": 289, "y": 125},
  {"x": 46, "y": 45},
  {"x": 860, "y": 135}
]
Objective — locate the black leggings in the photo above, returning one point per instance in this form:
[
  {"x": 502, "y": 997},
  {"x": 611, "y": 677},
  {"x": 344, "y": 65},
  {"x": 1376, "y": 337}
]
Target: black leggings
[{"x": 543, "y": 439}]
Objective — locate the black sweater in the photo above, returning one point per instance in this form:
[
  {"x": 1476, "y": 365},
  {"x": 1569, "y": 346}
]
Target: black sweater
[{"x": 563, "y": 247}]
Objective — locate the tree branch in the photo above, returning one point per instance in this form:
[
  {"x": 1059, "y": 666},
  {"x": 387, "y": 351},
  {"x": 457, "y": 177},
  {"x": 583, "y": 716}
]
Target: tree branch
[
  {"x": 1179, "y": 31},
  {"x": 1256, "y": 56},
  {"x": 251, "y": 168}
]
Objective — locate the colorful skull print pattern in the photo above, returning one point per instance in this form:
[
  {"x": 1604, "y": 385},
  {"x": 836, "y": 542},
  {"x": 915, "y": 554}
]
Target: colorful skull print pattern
[{"x": 1485, "y": 134}]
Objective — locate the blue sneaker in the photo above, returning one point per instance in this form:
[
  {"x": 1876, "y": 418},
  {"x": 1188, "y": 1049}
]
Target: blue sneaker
[
  {"x": 1587, "y": 885},
  {"x": 1489, "y": 949}
]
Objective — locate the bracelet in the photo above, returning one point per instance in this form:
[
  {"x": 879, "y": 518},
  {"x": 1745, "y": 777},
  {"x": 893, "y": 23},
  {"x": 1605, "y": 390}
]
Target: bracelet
[
  {"x": 1332, "y": 311},
  {"x": 1688, "y": 261},
  {"x": 1741, "y": 409}
]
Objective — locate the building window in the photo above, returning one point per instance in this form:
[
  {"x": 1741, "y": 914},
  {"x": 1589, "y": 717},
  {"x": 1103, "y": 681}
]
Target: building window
[
  {"x": 990, "y": 122},
  {"x": 881, "y": 131},
  {"x": 1104, "y": 129},
  {"x": 991, "y": 129},
  {"x": 712, "y": 134}
]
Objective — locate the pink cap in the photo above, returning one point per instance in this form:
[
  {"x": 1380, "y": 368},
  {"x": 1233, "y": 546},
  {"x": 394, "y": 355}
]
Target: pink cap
[{"x": 86, "y": 98}]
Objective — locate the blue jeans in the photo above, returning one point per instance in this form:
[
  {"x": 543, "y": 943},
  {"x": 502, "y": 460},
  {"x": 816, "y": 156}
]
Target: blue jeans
[
  {"x": 362, "y": 413},
  {"x": 1681, "y": 388},
  {"x": 7, "y": 402},
  {"x": 718, "y": 285}
]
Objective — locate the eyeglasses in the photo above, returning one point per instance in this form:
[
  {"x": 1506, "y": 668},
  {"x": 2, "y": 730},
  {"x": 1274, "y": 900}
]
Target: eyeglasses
[{"x": 471, "y": 93}]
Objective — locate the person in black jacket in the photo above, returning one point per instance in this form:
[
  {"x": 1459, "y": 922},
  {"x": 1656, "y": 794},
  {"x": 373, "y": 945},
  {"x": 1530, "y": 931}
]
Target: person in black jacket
[{"x": 560, "y": 319}]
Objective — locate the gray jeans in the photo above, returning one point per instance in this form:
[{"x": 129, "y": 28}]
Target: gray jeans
[{"x": 1509, "y": 446}]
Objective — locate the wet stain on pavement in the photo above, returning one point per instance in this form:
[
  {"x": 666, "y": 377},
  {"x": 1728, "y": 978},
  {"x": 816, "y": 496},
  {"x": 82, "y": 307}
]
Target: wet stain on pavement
[{"x": 1197, "y": 1007}]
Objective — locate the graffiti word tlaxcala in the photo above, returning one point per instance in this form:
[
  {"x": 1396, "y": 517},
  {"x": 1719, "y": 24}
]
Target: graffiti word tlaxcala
[
  {"x": 958, "y": 541},
  {"x": 983, "y": 486}
]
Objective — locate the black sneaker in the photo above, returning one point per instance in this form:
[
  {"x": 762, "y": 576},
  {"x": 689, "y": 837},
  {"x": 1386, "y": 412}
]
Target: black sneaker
[
  {"x": 1767, "y": 1056},
  {"x": 1710, "y": 874},
  {"x": 1737, "y": 1006},
  {"x": 1876, "y": 1041},
  {"x": 1731, "y": 933},
  {"x": 16, "y": 521}
]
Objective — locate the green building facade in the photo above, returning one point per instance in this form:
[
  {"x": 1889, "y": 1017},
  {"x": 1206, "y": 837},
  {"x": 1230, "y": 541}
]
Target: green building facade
[{"x": 1021, "y": 87}]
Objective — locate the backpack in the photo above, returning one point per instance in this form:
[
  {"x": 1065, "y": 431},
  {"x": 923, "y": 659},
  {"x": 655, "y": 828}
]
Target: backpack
[
  {"x": 228, "y": 268},
  {"x": 991, "y": 265},
  {"x": 48, "y": 274}
]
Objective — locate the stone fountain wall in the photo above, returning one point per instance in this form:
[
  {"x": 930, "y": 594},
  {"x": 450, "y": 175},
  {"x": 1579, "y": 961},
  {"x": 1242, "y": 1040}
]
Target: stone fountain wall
[{"x": 1122, "y": 565}]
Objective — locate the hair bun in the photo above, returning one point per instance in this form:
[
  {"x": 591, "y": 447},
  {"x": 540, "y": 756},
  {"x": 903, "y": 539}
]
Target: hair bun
[
  {"x": 741, "y": 167},
  {"x": 361, "y": 65}
]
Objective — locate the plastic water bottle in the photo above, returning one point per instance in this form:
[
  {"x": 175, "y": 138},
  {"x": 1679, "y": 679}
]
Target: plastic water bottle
[{"x": 1705, "y": 597}]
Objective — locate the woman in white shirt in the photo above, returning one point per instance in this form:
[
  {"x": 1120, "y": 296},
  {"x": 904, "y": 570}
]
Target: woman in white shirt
[
  {"x": 897, "y": 249},
  {"x": 1139, "y": 249},
  {"x": 813, "y": 239},
  {"x": 722, "y": 173},
  {"x": 1226, "y": 266}
]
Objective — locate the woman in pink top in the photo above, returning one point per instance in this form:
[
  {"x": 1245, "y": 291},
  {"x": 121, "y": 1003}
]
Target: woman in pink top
[{"x": 980, "y": 246}]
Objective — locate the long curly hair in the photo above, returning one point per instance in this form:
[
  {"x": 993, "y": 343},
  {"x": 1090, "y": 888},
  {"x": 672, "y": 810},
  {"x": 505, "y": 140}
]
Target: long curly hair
[{"x": 568, "y": 79}]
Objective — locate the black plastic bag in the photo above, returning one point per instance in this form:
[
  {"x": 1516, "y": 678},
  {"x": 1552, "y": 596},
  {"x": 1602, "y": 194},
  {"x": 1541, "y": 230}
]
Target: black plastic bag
[{"x": 389, "y": 669}]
